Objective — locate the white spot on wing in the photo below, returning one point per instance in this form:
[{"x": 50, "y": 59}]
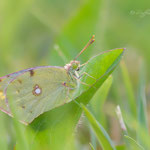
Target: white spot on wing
[{"x": 38, "y": 91}]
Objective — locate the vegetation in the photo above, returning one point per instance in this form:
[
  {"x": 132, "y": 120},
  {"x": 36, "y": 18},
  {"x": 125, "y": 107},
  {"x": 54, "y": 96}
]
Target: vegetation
[{"x": 111, "y": 114}]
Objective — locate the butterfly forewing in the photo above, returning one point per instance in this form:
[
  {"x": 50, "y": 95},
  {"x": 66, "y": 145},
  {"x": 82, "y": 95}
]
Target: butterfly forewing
[{"x": 39, "y": 90}]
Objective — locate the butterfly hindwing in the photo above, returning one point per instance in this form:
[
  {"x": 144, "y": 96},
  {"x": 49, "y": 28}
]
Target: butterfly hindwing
[
  {"x": 4, "y": 82},
  {"x": 38, "y": 90}
]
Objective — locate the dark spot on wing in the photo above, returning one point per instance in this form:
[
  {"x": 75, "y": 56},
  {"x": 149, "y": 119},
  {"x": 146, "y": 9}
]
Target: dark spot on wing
[
  {"x": 32, "y": 73},
  {"x": 23, "y": 106},
  {"x": 19, "y": 81},
  {"x": 0, "y": 80},
  {"x": 8, "y": 75},
  {"x": 64, "y": 84}
]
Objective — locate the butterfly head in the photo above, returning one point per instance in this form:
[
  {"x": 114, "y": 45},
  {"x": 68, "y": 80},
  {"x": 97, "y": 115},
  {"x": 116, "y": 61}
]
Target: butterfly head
[{"x": 73, "y": 66}]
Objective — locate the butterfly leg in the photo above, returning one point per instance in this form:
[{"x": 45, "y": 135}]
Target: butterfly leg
[
  {"x": 85, "y": 73},
  {"x": 68, "y": 91},
  {"x": 71, "y": 99},
  {"x": 78, "y": 78},
  {"x": 84, "y": 64}
]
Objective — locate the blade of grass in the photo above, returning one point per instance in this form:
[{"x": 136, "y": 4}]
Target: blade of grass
[
  {"x": 133, "y": 143},
  {"x": 92, "y": 148},
  {"x": 120, "y": 147},
  {"x": 98, "y": 100},
  {"x": 96, "y": 106},
  {"x": 93, "y": 138},
  {"x": 142, "y": 116},
  {"x": 129, "y": 89},
  {"x": 100, "y": 132},
  {"x": 133, "y": 124}
]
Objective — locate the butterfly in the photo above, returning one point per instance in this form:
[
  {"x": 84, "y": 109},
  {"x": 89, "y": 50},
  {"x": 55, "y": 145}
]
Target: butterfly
[{"x": 34, "y": 91}]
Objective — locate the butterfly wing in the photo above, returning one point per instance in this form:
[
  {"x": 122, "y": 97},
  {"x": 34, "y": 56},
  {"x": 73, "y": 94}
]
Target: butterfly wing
[
  {"x": 4, "y": 82},
  {"x": 38, "y": 90}
]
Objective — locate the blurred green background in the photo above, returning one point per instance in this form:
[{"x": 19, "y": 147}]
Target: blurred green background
[{"x": 52, "y": 32}]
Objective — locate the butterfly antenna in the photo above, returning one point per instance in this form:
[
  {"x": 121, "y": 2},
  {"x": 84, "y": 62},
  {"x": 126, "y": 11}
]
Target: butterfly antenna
[{"x": 87, "y": 45}]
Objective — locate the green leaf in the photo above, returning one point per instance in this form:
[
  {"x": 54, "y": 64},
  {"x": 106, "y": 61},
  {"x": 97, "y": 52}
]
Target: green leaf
[
  {"x": 129, "y": 89},
  {"x": 58, "y": 124},
  {"x": 100, "y": 132},
  {"x": 133, "y": 143}
]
